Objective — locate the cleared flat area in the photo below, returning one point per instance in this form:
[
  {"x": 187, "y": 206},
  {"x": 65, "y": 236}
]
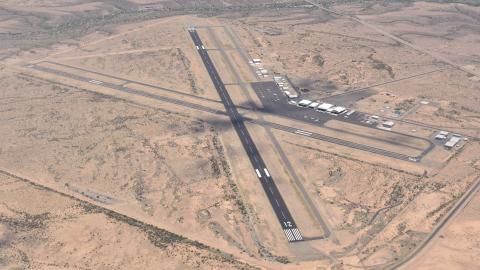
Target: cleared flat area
[
  {"x": 84, "y": 73},
  {"x": 395, "y": 140}
]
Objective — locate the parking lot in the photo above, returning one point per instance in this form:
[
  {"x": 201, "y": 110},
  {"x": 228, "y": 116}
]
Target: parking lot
[{"x": 275, "y": 101}]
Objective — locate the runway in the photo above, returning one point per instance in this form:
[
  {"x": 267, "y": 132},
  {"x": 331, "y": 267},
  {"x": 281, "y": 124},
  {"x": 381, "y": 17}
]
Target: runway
[
  {"x": 203, "y": 108},
  {"x": 287, "y": 223},
  {"x": 276, "y": 103}
]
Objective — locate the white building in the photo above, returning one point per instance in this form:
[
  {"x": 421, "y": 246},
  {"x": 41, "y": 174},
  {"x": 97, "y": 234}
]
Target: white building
[
  {"x": 338, "y": 110},
  {"x": 442, "y": 135},
  {"x": 304, "y": 102},
  {"x": 290, "y": 95},
  {"x": 325, "y": 106},
  {"x": 388, "y": 124},
  {"x": 452, "y": 142}
]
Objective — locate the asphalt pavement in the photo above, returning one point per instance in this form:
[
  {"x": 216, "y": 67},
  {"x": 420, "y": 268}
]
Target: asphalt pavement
[
  {"x": 261, "y": 171},
  {"x": 275, "y": 102},
  {"x": 198, "y": 107}
]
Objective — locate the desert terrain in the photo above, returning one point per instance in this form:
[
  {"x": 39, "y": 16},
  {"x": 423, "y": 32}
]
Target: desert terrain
[{"x": 119, "y": 151}]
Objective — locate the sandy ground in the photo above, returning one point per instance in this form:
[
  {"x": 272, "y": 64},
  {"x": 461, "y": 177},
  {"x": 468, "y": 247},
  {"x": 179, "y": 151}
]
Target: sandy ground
[
  {"x": 319, "y": 51},
  {"x": 40, "y": 229},
  {"x": 80, "y": 140},
  {"x": 458, "y": 245},
  {"x": 328, "y": 55},
  {"x": 385, "y": 222},
  {"x": 448, "y": 30},
  {"x": 186, "y": 172}
]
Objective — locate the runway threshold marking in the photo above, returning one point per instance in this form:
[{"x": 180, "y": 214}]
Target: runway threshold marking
[
  {"x": 297, "y": 234},
  {"x": 285, "y": 219},
  {"x": 95, "y": 82},
  {"x": 293, "y": 235},
  {"x": 266, "y": 172},
  {"x": 303, "y": 132},
  {"x": 289, "y": 235}
]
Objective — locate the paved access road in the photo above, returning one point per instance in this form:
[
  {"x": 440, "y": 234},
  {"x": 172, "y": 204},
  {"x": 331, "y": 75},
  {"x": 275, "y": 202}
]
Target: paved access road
[{"x": 260, "y": 169}]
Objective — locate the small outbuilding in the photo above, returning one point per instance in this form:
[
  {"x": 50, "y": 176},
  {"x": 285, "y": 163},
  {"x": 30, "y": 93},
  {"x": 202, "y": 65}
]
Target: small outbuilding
[
  {"x": 304, "y": 102},
  {"x": 388, "y": 124}
]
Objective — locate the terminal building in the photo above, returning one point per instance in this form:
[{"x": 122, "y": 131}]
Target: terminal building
[{"x": 454, "y": 140}]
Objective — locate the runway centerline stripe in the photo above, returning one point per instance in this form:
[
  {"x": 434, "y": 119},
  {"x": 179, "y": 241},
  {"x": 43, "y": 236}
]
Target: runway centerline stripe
[{"x": 279, "y": 207}]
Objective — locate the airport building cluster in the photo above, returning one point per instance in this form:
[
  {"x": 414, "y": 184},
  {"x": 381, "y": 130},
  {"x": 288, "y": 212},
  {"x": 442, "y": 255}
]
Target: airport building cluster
[
  {"x": 259, "y": 70},
  {"x": 324, "y": 107},
  {"x": 451, "y": 141},
  {"x": 285, "y": 86}
]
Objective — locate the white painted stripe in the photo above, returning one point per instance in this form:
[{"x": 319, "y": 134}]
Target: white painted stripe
[
  {"x": 203, "y": 47},
  {"x": 95, "y": 82},
  {"x": 276, "y": 201},
  {"x": 258, "y": 173},
  {"x": 198, "y": 48},
  {"x": 303, "y": 132},
  {"x": 266, "y": 172},
  {"x": 293, "y": 237},
  {"x": 297, "y": 234},
  {"x": 289, "y": 235}
]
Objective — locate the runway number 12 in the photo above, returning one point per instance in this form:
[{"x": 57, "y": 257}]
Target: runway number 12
[{"x": 287, "y": 224}]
